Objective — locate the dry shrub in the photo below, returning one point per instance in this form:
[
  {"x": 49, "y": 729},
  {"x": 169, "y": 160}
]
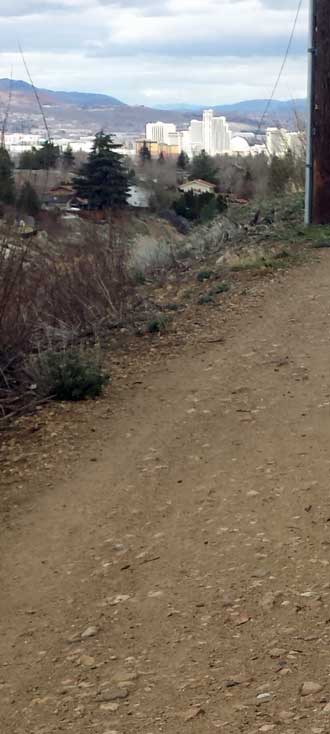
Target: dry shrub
[
  {"x": 52, "y": 298},
  {"x": 88, "y": 284}
]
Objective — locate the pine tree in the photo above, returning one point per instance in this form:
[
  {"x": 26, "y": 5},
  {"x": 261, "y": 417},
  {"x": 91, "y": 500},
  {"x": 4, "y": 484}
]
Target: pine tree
[
  {"x": 28, "y": 161},
  {"x": 145, "y": 154},
  {"x": 43, "y": 158},
  {"x": 28, "y": 200},
  {"x": 7, "y": 182},
  {"x": 103, "y": 180},
  {"x": 68, "y": 158},
  {"x": 182, "y": 161},
  {"x": 204, "y": 167},
  {"x": 47, "y": 156}
]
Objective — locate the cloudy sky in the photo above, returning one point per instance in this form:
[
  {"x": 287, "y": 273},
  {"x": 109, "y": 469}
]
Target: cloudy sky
[{"x": 157, "y": 51}]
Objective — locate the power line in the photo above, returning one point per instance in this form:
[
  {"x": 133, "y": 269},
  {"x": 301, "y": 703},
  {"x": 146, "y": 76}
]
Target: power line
[
  {"x": 7, "y": 110},
  {"x": 35, "y": 93},
  {"x": 285, "y": 58}
]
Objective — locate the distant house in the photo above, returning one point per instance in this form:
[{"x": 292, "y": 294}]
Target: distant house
[
  {"x": 58, "y": 196},
  {"x": 198, "y": 186}
]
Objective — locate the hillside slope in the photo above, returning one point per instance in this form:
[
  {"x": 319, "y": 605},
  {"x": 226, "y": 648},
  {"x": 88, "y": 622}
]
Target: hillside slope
[{"x": 21, "y": 89}]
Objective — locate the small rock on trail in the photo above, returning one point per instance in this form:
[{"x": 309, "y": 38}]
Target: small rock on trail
[
  {"x": 310, "y": 688},
  {"x": 89, "y": 632}
]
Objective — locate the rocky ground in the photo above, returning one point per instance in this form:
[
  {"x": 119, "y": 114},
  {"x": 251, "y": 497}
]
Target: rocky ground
[{"x": 165, "y": 551}]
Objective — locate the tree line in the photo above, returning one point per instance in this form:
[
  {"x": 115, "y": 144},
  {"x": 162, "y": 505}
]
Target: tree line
[{"x": 104, "y": 180}]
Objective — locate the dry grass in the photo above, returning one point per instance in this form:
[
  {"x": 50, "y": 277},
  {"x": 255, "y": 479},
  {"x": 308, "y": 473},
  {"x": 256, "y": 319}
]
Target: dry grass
[{"x": 52, "y": 298}]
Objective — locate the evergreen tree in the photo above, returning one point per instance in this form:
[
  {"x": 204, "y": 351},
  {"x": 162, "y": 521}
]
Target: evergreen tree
[
  {"x": 28, "y": 200},
  {"x": 103, "y": 180},
  {"x": 7, "y": 182},
  {"x": 28, "y": 161},
  {"x": 145, "y": 154},
  {"x": 68, "y": 158},
  {"x": 199, "y": 207},
  {"x": 48, "y": 155},
  {"x": 182, "y": 161},
  {"x": 204, "y": 167},
  {"x": 44, "y": 158}
]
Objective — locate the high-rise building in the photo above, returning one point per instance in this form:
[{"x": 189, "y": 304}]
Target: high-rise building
[
  {"x": 216, "y": 134},
  {"x": 297, "y": 143},
  {"x": 196, "y": 136},
  {"x": 158, "y": 132},
  {"x": 185, "y": 141},
  {"x": 208, "y": 131},
  {"x": 279, "y": 141},
  {"x": 173, "y": 138},
  {"x": 221, "y": 135},
  {"x": 276, "y": 142},
  {"x": 211, "y": 134}
]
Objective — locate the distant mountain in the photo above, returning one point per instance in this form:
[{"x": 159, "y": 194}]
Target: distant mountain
[
  {"x": 83, "y": 110},
  {"x": 91, "y": 112},
  {"x": 247, "y": 107},
  {"x": 257, "y": 106},
  {"x": 47, "y": 96},
  {"x": 181, "y": 107}
]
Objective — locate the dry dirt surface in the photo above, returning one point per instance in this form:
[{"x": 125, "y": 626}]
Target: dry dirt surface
[{"x": 180, "y": 581}]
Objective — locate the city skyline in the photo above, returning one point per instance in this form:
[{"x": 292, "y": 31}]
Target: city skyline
[{"x": 211, "y": 134}]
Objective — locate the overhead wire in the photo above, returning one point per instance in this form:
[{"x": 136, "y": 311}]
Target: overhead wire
[
  {"x": 7, "y": 111},
  {"x": 282, "y": 67},
  {"x": 35, "y": 93}
]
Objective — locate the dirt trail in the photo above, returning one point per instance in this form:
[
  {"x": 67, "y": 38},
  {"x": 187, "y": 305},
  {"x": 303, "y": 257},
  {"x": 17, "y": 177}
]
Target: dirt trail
[{"x": 197, "y": 546}]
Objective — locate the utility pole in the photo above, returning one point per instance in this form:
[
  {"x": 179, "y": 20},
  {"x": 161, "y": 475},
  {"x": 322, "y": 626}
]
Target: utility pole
[{"x": 318, "y": 132}]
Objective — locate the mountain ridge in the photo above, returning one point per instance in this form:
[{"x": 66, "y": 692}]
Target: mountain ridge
[
  {"x": 248, "y": 105},
  {"x": 94, "y": 111},
  {"x": 83, "y": 98}
]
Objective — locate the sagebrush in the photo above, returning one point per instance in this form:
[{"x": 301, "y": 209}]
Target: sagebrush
[{"x": 69, "y": 374}]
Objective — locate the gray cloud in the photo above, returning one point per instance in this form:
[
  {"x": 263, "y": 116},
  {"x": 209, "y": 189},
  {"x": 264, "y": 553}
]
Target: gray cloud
[
  {"x": 147, "y": 8},
  {"x": 280, "y": 4},
  {"x": 23, "y": 8},
  {"x": 240, "y": 47},
  {"x": 132, "y": 33}
]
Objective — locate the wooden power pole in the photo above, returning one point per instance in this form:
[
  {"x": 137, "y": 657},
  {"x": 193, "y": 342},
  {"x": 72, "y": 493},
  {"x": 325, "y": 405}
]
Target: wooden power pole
[{"x": 318, "y": 144}]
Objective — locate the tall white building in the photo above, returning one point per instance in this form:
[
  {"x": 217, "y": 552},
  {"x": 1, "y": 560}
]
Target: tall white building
[
  {"x": 297, "y": 143},
  {"x": 185, "y": 143},
  {"x": 221, "y": 135},
  {"x": 208, "y": 131},
  {"x": 279, "y": 141},
  {"x": 173, "y": 138},
  {"x": 216, "y": 134},
  {"x": 276, "y": 142},
  {"x": 196, "y": 136},
  {"x": 158, "y": 132},
  {"x": 211, "y": 134}
]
